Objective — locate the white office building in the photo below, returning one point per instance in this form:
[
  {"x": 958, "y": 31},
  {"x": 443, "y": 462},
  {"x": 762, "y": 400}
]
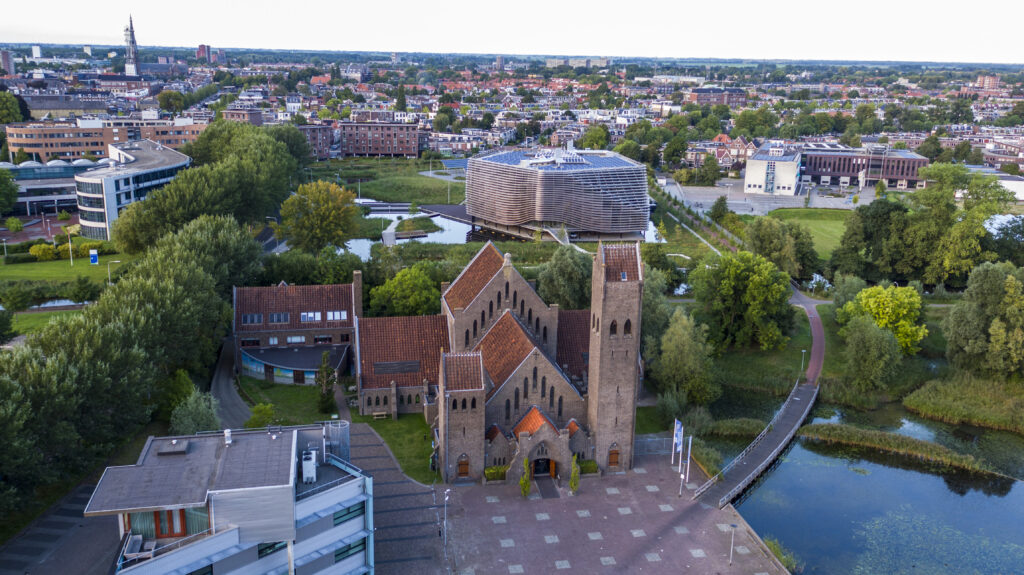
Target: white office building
[{"x": 773, "y": 169}]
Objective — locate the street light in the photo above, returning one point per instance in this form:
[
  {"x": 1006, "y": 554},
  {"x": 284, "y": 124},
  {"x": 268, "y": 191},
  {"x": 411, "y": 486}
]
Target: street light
[
  {"x": 5, "y": 247},
  {"x": 802, "y": 352},
  {"x": 446, "y": 494},
  {"x": 732, "y": 542},
  {"x": 108, "y": 270}
]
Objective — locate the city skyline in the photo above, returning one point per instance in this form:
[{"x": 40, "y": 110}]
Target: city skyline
[{"x": 748, "y": 32}]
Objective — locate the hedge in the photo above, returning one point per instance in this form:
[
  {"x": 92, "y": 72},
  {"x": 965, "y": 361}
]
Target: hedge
[
  {"x": 496, "y": 472},
  {"x": 25, "y": 258}
]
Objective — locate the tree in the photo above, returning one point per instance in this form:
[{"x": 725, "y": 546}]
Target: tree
[
  {"x": 880, "y": 188},
  {"x": 850, "y": 137},
  {"x": 319, "y": 214},
  {"x": 872, "y": 355},
  {"x": 896, "y": 309},
  {"x": 708, "y": 173},
  {"x": 14, "y": 225},
  {"x": 8, "y": 189},
  {"x": 410, "y": 292},
  {"x": 400, "y": 99},
  {"x": 21, "y": 156},
  {"x": 336, "y": 268},
  {"x": 263, "y": 414},
  {"x": 655, "y": 312},
  {"x": 574, "y": 475},
  {"x": 173, "y": 391},
  {"x": 565, "y": 279},
  {"x": 985, "y": 329},
  {"x": 674, "y": 150},
  {"x": 294, "y": 141},
  {"x": 768, "y": 237},
  {"x": 930, "y": 148},
  {"x": 719, "y": 209},
  {"x": 82, "y": 290},
  {"x": 171, "y": 100},
  {"x": 220, "y": 247},
  {"x": 16, "y": 297},
  {"x": 524, "y": 480},
  {"x": 630, "y": 149},
  {"x": 744, "y": 300},
  {"x": 595, "y": 138},
  {"x": 197, "y": 413},
  {"x": 684, "y": 364},
  {"x": 6, "y": 326},
  {"x": 326, "y": 379},
  {"x": 10, "y": 112}
]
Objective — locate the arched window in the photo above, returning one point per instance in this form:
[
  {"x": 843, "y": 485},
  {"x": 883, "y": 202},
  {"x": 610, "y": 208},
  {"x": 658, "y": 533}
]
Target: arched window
[
  {"x": 401, "y": 400},
  {"x": 522, "y": 308},
  {"x": 526, "y": 387},
  {"x": 613, "y": 329},
  {"x": 467, "y": 338},
  {"x": 535, "y": 378},
  {"x": 559, "y": 406},
  {"x": 545, "y": 338},
  {"x": 463, "y": 403},
  {"x": 543, "y": 387},
  {"x": 551, "y": 399},
  {"x": 483, "y": 318},
  {"x": 408, "y": 399},
  {"x": 455, "y": 404},
  {"x": 376, "y": 400},
  {"x": 474, "y": 328},
  {"x": 529, "y": 316},
  {"x": 515, "y": 298},
  {"x": 536, "y": 325},
  {"x": 517, "y": 399},
  {"x": 508, "y": 410},
  {"x": 499, "y": 300},
  {"x": 385, "y": 400},
  {"x": 472, "y": 404},
  {"x": 627, "y": 328},
  {"x": 506, "y": 290},
  {"x": 490, "y": 307},
  {"x": 369, "y": 401},
  {"x": 417, "y": 398}
]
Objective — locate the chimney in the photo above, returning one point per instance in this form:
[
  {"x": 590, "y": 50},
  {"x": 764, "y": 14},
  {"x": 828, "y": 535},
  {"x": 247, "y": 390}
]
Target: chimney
[{"x": 227, "y": 437}]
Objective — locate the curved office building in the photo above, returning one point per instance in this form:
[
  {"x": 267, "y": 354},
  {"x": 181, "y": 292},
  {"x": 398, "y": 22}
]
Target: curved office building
[{"x": 588, "y": 191}]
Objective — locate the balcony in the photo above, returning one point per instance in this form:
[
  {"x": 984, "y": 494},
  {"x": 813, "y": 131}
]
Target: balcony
[{"x": 168, "y": 554}]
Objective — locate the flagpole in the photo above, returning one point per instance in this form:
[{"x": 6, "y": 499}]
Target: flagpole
[
  {"x": 689, "y": 451},
  {"x": 675, "y": 428},
  {"x": 681, "y": 450}
]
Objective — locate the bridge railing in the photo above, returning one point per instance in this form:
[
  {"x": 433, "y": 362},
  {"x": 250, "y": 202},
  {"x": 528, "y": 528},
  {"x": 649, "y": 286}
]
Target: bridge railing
[
  {"x": 771, "y": 457},
  {"x": 771, "y": 424}
]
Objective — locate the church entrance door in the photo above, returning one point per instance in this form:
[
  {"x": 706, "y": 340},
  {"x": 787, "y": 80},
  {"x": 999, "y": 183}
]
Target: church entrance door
[{"x": 543, "y": 467}]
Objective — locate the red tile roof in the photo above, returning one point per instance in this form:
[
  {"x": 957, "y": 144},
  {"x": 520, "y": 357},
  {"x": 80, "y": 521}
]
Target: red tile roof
[
  {"x": 485, "y": 264},
  {"x": 492, "y": 432},
  {"x": 532, "y": 422},
  {"x": 463, "y": 372},
  {"x": 573, "y": 341},
  {"x": 405, "y": 350},
  {"x": 504, "y": 347},
  {"x": 619, "y": 259},
  {"x": 293, "y": 300},
  {"x": 573, "y": 427}
]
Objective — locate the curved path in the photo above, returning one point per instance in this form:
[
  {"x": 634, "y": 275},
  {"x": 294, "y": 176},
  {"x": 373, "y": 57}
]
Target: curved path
[
  {"x": 231, "y": 408},
  {"x": 817, "y": 359}
]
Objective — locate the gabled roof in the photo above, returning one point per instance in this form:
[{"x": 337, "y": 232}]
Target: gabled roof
[
  {"x": 293, "y": 300},
  {"x": 532, "y": 422},
  {"x": 405, "y": 350},
  {"x": 493, "y": 432},
  {"x": 573, "y": 341},
  {"x": 620, "y": 259},
  {"x": 484, "y": 266},
  {"x": 503, "y": 348},
  {"x": 573, "y": 427},
  {"x": 463, "y": 371}
]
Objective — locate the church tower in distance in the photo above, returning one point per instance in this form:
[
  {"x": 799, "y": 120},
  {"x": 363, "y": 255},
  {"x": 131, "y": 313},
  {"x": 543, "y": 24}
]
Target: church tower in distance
[{"x": 614, "y": 362}]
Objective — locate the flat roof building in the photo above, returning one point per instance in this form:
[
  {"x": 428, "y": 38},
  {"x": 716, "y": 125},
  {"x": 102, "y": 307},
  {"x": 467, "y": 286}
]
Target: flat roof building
[
  {"x": 76, "y": 139},
  {"x": 586, "y": 191},
  {"x": 138, "y": 168},
  {"x": 276, "y": 500}
]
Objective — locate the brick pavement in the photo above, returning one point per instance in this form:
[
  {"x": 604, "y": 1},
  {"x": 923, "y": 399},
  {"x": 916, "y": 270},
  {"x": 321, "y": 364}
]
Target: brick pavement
[{"x": 627, "y": 523}]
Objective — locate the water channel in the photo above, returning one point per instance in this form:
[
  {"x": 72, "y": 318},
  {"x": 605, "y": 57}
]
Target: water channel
[{"x": 845, "y": 510}]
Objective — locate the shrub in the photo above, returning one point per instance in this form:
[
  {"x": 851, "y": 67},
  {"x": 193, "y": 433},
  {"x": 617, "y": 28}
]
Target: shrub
[
  {"x": 262, "y": 416},
  {"x": 495, "y": 472},
  {"x": 524, "y": 481},
  {"x": 574, "y": 475},
  {"x": 588, "y": 466},
  {"x": 738, "y": 427},
  {"x": 24, "y": 247},
  {"x": 12, "y": 259},
  {"x": 63, "y": 216},
  {"x": 14, "y": 224},
  {"x": 16, "y": 298},
  {"x": 43, "y": 252}
]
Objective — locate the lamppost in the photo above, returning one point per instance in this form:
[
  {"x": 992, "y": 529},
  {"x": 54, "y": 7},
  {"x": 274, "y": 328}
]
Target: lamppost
[
  {"x": 5, "y": 247},
  {"x": 732, "y": 542},
  {"x": 802, "y": 353},
  {"x": 108, "y": 270},
  {"x": 446, "y": 495}
]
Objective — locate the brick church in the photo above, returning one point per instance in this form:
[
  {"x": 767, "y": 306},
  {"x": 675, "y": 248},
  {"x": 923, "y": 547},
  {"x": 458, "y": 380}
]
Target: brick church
[{"x": 501, "y": 376}]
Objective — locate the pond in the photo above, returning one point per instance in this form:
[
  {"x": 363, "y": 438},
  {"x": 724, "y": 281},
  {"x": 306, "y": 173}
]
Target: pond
[{"x": 856, "y": 511}]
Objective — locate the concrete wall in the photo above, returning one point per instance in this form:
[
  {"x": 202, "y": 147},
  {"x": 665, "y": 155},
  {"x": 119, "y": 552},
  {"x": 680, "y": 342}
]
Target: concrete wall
[{"x": 266, "y": 514}]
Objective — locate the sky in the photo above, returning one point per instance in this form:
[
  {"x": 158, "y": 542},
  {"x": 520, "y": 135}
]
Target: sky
[{"x": 895, "y": 30}]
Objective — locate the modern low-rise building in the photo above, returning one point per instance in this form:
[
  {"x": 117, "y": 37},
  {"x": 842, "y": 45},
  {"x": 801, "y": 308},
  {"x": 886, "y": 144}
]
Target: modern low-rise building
[
  {"x": 49, "y": 187},
  {"x": 138, "y": 167},
  {"x": 773, "y": 169},
  {"x": 276, "y": 500},
  {"x": 76, "y": 139},
  {"x": 379, "y": 139}
]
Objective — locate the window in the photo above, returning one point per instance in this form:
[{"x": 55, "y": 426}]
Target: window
[
  {"x": 264, "y": 549},
  {"x": 515, "y": 298},
  {"x": 271, "y": 341},
  {"x": 522, "y": 307},
  {"x": 529, "y": 317},
  {"x": 350, "y": 513},
  {"x": 535, "y": 378},
  {"x": 506, "y": 292},
  {"x": 472, "y": 404},
  {"x": 517, "y": 399},
  {"x": 349, "y": 550},
  {"x": 309, "y": 316},
  {"x": 627, "y": 328},
  {"x": 559, "y": 406},
  {"x": 455, "y": 404},
  {"x": 490, "y": 307},
  {"x": 463, "y": 403},
  {"x": 337, "y": 315},
  {"x": 474, "y": 328},
  {"x": 252, "y": 318},
  {"x": 545, "y": 334},
  {"x": 296, "y": 339},
  {"x": 526, "y": 387},
  {"x": 613, "y": 329},
  {"x": 508, "y": 410},
  {"x": 322, "y": 339},
  {"x": 250, "y": 342},
  {"x": 208, "y": 570},
  {"x": 483, "y": 318},
  {"x": 467, "y": 338},
  {"x": 543, "y": 387},
  {"x": 279, "y": 318}
]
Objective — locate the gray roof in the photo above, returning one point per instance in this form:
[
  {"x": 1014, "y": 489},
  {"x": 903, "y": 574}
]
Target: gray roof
[
  {"x": 303, "y": 358},
  {"x": 180, "y": 472},
  {"x": 147, "y": 154}
]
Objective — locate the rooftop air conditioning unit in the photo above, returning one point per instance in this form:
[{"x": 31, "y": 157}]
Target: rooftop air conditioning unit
[{"x": 309, "y": 467}]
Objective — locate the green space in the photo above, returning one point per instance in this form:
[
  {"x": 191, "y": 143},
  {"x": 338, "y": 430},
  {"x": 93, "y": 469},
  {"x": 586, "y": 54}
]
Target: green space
[
  {"x": 890, "y": 442},
  {"x": 408, "y": 438},
  {"x": 972, "y": 400},
  {"x": 293, "y": 404},
  {"x": 422, "y": 223},
  {"x": 648, "y": 420},
  {"x": 773, "y": 370},
  {"x": 826, "y": 225},
  {"x": 28, "y": 323},
  {"x": 679, "y": 240},
  {"x": 389, "y": 180},
  {"x": 372, "y": 228},
  {"x": 63, "y": 270}
]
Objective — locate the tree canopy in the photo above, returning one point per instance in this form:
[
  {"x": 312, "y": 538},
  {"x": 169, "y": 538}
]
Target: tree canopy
[
  {"x": 896, "y": 309},
  {"x": 684, "y": 365},
  {"x": 318, "y": 215},
  {"x": 985, "y": 330},
  {"x": 410, "y": 292},
  {"x": 565, "y": 279}
]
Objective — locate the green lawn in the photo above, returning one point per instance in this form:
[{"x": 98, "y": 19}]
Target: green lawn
[
  {"x": 773, "y": 370},
  {"x": 826, "y": 226},
  {"x": 293, "y": 404},
  {"x": 26, "y": 323},
  {"x": 63, "y": 270},
  {"x": 648, "y": 420},
  {"x": 679, "y": 240},
  {"x": 390, "y": 179},
  {"x": 408, "y": 437},
  {"x": 421, "y": 223}
]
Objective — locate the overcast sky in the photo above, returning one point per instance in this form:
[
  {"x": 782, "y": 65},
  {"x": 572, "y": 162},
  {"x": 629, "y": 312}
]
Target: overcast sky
[{"x": 910, "y": 30}]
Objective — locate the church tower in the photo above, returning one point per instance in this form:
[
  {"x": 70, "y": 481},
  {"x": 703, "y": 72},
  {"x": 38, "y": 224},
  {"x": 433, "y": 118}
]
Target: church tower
[
  {"x": 131, "y": 55},
  {"x": 614, "y": 363}
]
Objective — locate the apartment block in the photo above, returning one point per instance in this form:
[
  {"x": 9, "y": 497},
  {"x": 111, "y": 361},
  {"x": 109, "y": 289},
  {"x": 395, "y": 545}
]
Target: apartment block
[
  {"x": 379, "y": 139},
  {"x": 76, "y": 139}
]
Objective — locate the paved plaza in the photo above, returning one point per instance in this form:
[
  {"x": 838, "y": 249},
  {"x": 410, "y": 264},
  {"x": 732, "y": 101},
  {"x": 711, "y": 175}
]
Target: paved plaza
[{"x": 626, "y": 523}]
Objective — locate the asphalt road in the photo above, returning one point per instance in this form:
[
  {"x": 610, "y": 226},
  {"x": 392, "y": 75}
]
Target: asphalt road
[{"x": 231, "y": 408}]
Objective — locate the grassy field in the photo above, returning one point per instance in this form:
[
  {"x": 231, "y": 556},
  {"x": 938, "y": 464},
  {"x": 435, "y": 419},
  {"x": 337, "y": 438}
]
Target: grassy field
[
  {"x": 389, "y": 180},
  {"x": 774, "y": 370},
  {"x": 826, "y": 226},
  {"x": 891, "y": 442},
  {"x": 26, "y": 323},
  {"x": 63, "y": 270},
  {"x": 974, "y": 400},
  {"x": 679, "y": 240},
  {"x": 422, "y": 223},
  {"x": 293, "y": 404},
  {"x": 648, "y": 420},
  {"x": 408, "y": 438}
]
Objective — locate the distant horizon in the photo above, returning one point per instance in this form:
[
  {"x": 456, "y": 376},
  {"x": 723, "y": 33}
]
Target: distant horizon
[{"x": 876, "y": 32}]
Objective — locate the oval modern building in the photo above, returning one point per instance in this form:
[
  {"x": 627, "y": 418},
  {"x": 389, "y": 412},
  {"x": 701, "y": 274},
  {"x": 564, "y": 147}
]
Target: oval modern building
[{"x": 597, "y": 192}]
